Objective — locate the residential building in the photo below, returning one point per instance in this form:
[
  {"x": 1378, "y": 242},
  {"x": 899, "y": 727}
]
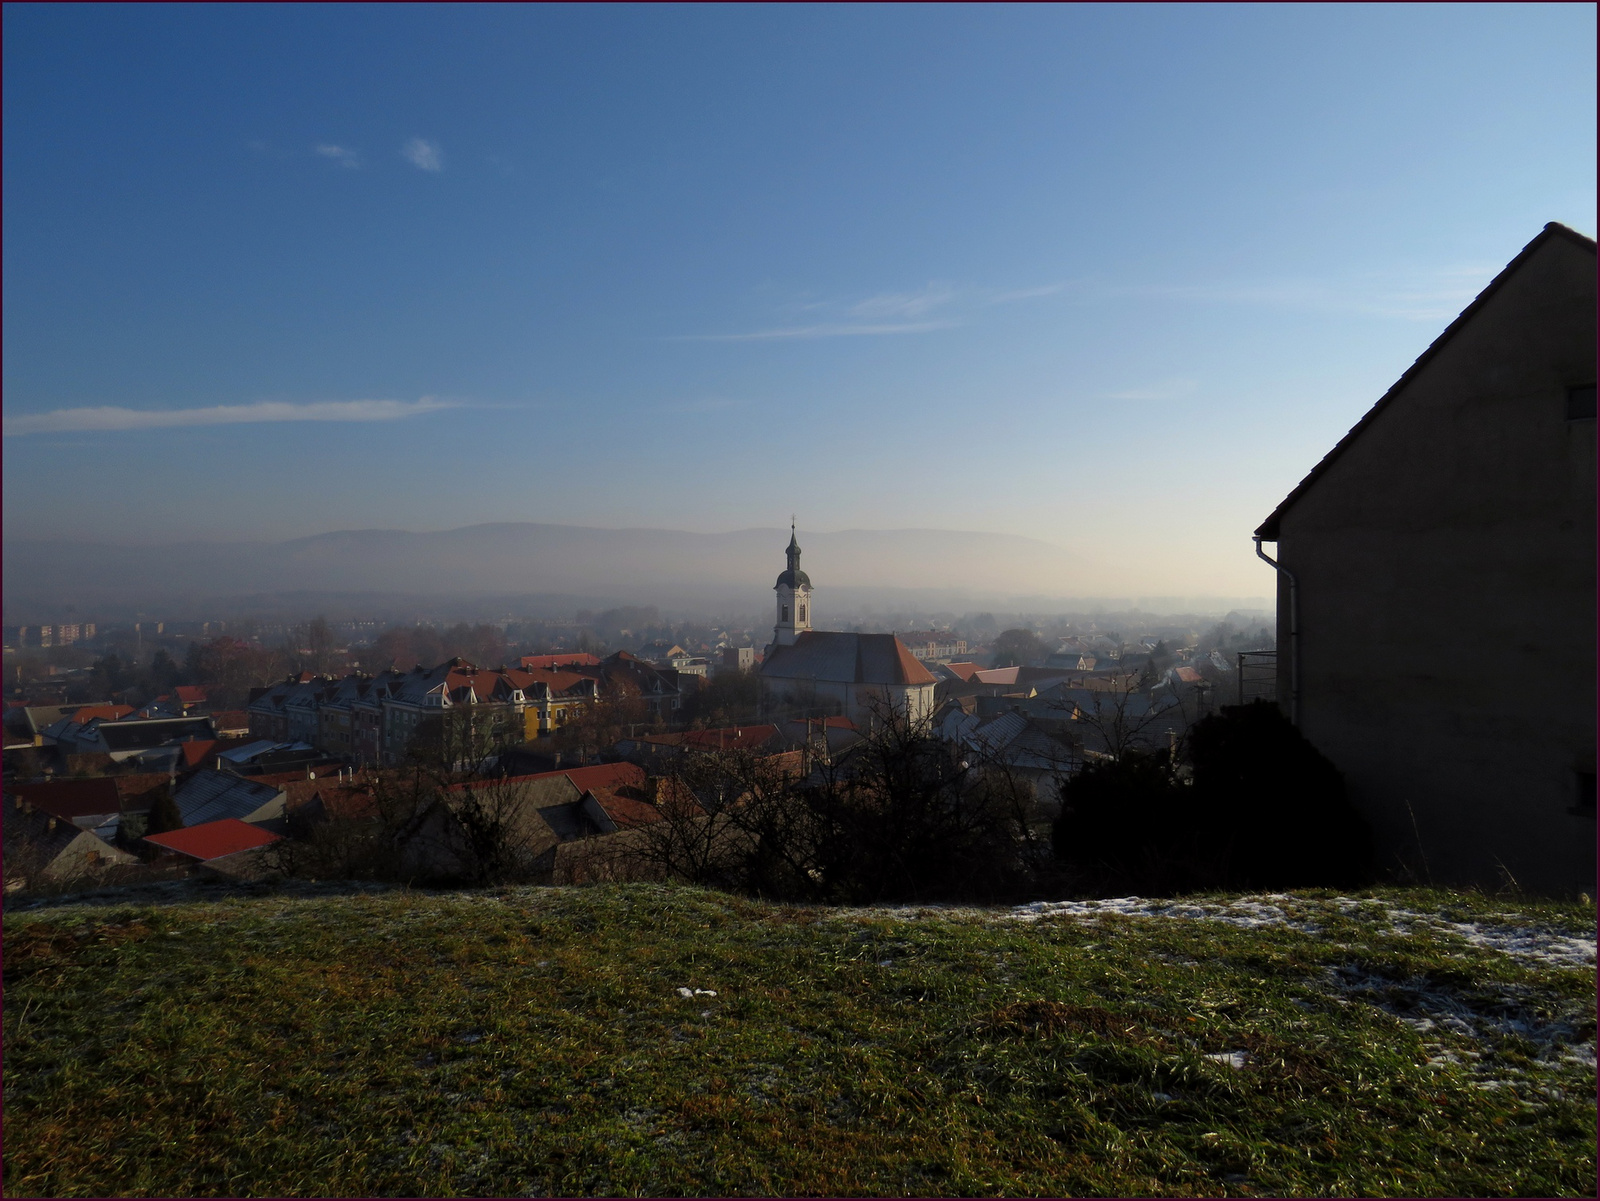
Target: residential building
[
  {"x": 39, "y": 847},
  {"x": 1436, "y": 590},
  {"x": 928, "y": 645},
  {"x": 126, "y": 738}
]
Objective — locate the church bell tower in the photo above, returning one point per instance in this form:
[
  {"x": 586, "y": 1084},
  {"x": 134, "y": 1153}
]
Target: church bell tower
[{"x": 794, "y": 598}]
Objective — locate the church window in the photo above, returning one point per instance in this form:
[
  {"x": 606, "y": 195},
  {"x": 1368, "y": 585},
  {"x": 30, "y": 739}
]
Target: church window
[
  {"x": 785, "y": 613},
  {"x": 802, "y": 612}
]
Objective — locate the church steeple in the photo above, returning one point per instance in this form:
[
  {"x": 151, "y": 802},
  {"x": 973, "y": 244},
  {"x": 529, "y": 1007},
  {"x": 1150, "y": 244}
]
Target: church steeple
[{"x": 794, "y": 597}]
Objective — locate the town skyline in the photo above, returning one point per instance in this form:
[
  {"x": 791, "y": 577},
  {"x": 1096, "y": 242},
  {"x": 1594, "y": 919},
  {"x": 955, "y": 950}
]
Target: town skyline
[{"x": 1056, "y": 274}]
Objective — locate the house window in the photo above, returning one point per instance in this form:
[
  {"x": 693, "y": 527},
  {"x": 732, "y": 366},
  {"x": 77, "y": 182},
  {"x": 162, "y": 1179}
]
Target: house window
[
  {"x": 1580, "y": 403},
  {"x": 1584, "y": 794}
]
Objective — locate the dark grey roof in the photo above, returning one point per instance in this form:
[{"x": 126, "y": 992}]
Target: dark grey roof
[
  {"x": 140, "y": 735},
  {"x": 209, "y": 796},
  {"x": 1267, "y": 531},
  {"x": 846, "y": 658}
]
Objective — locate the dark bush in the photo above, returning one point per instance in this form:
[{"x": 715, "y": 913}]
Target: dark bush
[
  {"x": 1275, "y": 808},
  {"x": 1263, "y": 808}
]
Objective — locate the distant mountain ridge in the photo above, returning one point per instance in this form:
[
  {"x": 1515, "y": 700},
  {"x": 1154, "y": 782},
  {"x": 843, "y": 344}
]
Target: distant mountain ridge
[{"x": 634, "y": 565}]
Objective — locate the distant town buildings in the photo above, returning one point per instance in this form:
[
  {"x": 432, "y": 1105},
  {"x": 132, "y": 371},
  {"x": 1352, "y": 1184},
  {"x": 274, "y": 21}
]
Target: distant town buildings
[
  {"x": 933, "y": 645},
  {"x": 374, "y": 719}
]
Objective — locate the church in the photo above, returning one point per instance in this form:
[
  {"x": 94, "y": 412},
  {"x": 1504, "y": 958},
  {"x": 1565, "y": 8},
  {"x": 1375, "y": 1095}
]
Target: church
[{"x": 818, "y": 672}]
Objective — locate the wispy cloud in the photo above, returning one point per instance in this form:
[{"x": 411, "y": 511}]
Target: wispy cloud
[
  {"x": 423, "y": 154},
  {"x": 1170, "y": 389},
  {"x": 342, "y": 155},
  {"x": 112, "y": 417},
  {"x": 820, "y": 331},
  {"x": 886, "y": 313},
  {"x": 903, "y": 304}
]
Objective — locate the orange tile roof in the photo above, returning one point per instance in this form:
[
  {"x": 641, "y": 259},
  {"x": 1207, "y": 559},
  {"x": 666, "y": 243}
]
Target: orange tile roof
[{"x": 191, "y": 694}]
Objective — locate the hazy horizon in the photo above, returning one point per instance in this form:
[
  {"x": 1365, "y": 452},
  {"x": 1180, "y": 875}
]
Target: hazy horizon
[
  {"x": 548, "y": 568},
  {"x": 1110, "y": 278}
]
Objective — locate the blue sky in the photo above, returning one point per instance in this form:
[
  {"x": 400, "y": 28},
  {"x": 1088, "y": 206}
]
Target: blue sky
[{"x": 1114, "y": 277}]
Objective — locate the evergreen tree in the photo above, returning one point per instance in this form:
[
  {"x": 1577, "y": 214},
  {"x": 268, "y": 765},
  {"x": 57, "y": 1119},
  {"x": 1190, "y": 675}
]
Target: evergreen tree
[{"x": 164, "y": 814}]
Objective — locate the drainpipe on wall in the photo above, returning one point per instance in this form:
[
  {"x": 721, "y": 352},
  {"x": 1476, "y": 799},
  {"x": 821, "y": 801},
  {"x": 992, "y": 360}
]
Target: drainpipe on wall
[{"x": 1294, "y": 632}]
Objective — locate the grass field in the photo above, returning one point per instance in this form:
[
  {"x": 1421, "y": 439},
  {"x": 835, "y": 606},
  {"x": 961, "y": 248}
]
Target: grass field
[{"x": 649, "y": 1040}]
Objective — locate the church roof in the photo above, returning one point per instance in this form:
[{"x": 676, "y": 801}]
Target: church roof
[{"x": 846, "y": 658}]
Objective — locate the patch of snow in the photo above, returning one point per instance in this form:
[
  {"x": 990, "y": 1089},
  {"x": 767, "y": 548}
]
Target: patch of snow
[
  {"x": 1529, "y": 943},
  {"x": 1233, "y": 1059}
]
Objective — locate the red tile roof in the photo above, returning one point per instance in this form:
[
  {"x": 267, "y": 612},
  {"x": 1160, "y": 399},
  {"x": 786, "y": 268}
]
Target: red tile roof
[
  {"x": 348, "y": 801},
  {"x": 580, "y": 659},
  {"x": 728, "y": 739},
  {"x": 196, "y": 751},
  {"x": 133, "y": 787},
  {"x": 191, "y": 694},
  {"x": 212, "y": 840},
  {"x": 964, "y": 671},
  {"x": 88, "y": 713},
  {"x": 603, "y": 776}
]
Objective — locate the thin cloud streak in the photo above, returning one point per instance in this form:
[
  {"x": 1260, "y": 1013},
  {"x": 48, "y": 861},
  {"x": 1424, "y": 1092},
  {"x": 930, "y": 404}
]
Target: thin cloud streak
[
  {"x": 342, "y": 155},
  {"x": 1450, "y": 292},
  {"x": 903, "y": 304},
  {"x": 1026, "y": 294},
  {"x": 422, "y": 154},
  {"x": 112, "y": 417},
  {"x": 820, "y": 331}
]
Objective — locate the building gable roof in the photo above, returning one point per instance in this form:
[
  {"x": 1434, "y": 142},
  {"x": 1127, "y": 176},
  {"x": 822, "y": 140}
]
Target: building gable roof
[
  {"x": 846, "y": 658},
  {"x": 1267, "y": 531}
]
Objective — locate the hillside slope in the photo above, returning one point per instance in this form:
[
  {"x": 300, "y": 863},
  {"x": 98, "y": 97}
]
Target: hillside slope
[{"x": 636, "y": 1039}]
